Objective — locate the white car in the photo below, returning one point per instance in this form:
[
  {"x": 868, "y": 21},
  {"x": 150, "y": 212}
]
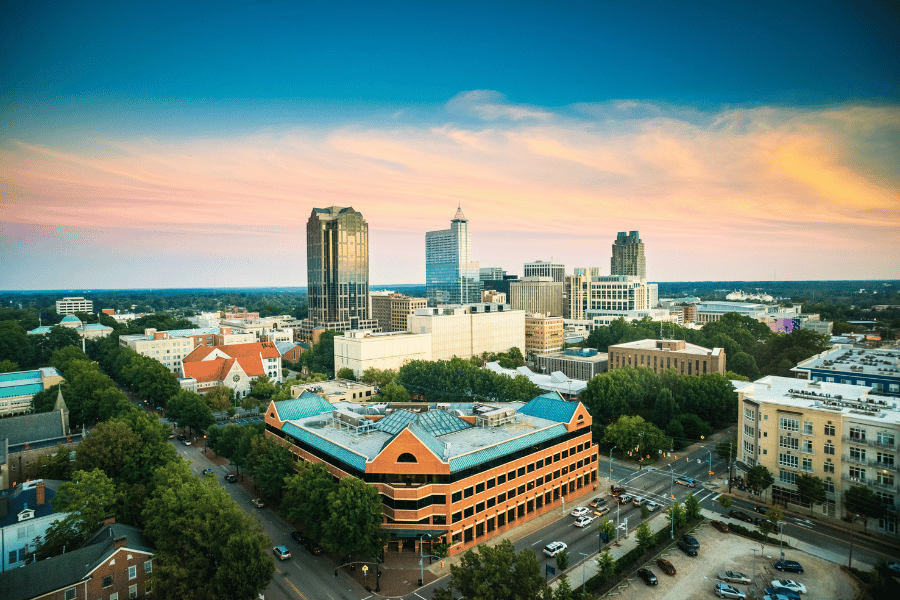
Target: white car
[
  {"x": 734, "y": 577},
  {"x": 723, "y": 590},
  {"x": 583, "y": 521},
  {"x": 789, "y": 584},
  {"x": 580, "y": 511},
  {"x": 554, "y": 548},
  {"x": 651, "y": 506},
  {"x": 638, "y": 500}
]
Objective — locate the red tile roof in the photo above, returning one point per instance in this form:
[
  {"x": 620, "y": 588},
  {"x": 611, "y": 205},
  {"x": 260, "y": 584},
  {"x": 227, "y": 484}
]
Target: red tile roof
[
  {"x": 249, "y": 356},
  {"x": 208, "y": 370}
]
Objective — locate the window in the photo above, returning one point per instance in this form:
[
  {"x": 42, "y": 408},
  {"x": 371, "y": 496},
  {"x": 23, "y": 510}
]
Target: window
[
  {"x": 468, "y": 492},
  {"x": 511, "y": 475},
  {"x": 858, "y": 454},
  {"x": 501, "y": 479},
  {"x": 511, "y": 493},
  {"x": 748, "y": 447},
  {"x": 886, "y": 498},
  {"x": 479, "y": 508},
  {"x": 749, "y": 431},
  {"x": 114, "y": 596},
  {"x": 807, "y": 428},
  {"x": 885, "y": 439},
  {"x": 857, "y": 473},
  {"x": 521, "y": 489},
  {"x": 531, "y": 467},
  {"x": 71, "y": 593},
  {"x": 457, "y": 517},
  {"x": 789, "y": 443},
  {"x": 479, "y": 488},
  {"x": 749, "y": 413},
  {"x": 829, "y": 486},
  {"x": 858, "y": 433},
  {"x": 786, "y": 460},
  {"x": 884, "y": 478},
  {"x": 501, "y": 497},
  {"x": 521, "y": 472},
  {"x": 457, "y": 496},
  {"x": 829, "y": 430},
  {"x": 491, "y": 502},
  {"x": 807, "y": 447},
  {"x": 807, "y": 465},
  {"x": 107, "y": 581},
  {"x": 828, "y": 467},
  {"x": 789, "y": 424},
  {"x": 490, "y": 483},
  {"x": 829, "y": 449},
  {"x": 469, "y": 511},
  {"x": 885, "y": 459},
  {"x": 132, "y": 591},
  {"x": 787, "y": 477},
  {"x": 132, "y": 572}
]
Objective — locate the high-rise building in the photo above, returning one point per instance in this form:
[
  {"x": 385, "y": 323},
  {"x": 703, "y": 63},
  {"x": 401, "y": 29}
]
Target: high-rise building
[
  {"x": 578, "y": 292},
  {"x": 451, "y": 276},
  {"x": 537, "y": 295},
  {"x": 628, "y": 256},
  {"x": 491, "y": 274},
  {"x": 539, "y": 268},
  {"x": 391, "y": 310},
  {"x": 337, "y": 263}
]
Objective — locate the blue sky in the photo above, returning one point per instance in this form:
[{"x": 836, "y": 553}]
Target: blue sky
[{"x": 114, "y": 83}]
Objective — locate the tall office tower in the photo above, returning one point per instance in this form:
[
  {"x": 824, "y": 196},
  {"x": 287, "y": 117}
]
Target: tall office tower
[
  {"x": 451, "y": 276},
  {"x": 578, "y": 292},
  {"x": 537, "y": 295},
  {"x": 539, "y": 268},
  {"x": 337, "y": 263},
  {"x": 491, "y": 274},
  {"x": 628, "y": 256}
]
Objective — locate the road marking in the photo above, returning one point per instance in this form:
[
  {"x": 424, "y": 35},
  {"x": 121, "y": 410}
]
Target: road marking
[
  {"x": 294, "y": 587},
  {"x": 714, "y": 498},
  {"x": 420, "y": 596},
  {"x": 537, "y": 542}
]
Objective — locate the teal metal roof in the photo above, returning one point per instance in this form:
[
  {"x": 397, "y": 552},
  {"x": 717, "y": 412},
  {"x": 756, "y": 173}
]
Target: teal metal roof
[
  {"x": 346, "y": 455},
  {"x": 478, "y": 457},
  {"x": 70, "y": 319},
  {"x": 20, "y": 390},
  {"x": 307, "y": 405},
  {"x": 551, "y": 407},
  {"x": 435, "y": 422},
  {"x": 19, "y": 376},
  {"x": 430, "y": 441},
  {"x": 40, "y": 330}
]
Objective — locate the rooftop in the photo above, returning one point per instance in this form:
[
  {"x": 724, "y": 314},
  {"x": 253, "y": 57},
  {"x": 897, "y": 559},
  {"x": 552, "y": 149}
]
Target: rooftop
[
  {"x": 855, "y": 360},
  {"x": 557, "y": 381},
  {"x": 661, "y": 345}
]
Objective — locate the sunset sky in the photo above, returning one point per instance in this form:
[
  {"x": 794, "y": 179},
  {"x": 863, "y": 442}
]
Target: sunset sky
[{"x": 164, "y": 145}]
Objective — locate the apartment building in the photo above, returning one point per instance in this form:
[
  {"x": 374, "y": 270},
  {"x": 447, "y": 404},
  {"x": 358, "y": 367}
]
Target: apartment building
[
  {"x": 168, "y": 347},
  {"x": 360, "y": 350},
  {"x": 659, "y": 355},
  {"x": 879, "y": 368},
  {"x": 470, "y": 330},
  {"x": 391, "y": 310},
  {"x": 537, "y": 295},
  {"x": 73, "y": 304},
  {"x": 462, "y": 473},
  {"x": 543, "y": 334},
  {"x": 578, "y": 292}
]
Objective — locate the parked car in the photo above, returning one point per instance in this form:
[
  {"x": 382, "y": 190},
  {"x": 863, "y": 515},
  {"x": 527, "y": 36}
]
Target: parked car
[
  {"x": 720, "y": 526},
  {"x": 579, "y": 512},
  {"x": 299, "y": 538},
  {"x": 686, "y": 548},
  {"x": 208, "y": 472},
  {"x": 601, "y": 510},
  {"x": 652, "y": 506},
  {"x": 734, "y": 577},
  {"x": 230, "y": 478},
  {"x": 186, "y": 442},
  {"x": 554, "y": 548},
  {"x": 648, "y": 576},
  {"x": 685, "y": 481},
  {"x": 689, "y": 539},
  {"x": 740, "y": 516},
  {"x": 761, "y": 509},
  {"x": 791, "y": 566},
  {"x": 314, "y": 548},
  {"x": 790, "y": 594},
  {"x": 281, "y": 552},
  {"x": 667, "y": 567},
  {"x": 789, "y": 584},
  {"x": 776, "y": 597},
  {"x": 624, "y": 499},
  {"x": 257, "y": 503},
  {"x": 638, "y": 500},
  {"x": 615, "y": 491},
  {"x": 599, "y": 501},
  {"x": 723, "y": 590},
  {"x": 583, "y": 521}
]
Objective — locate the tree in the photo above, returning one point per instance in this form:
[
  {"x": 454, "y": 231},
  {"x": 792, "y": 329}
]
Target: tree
[
  {"x": 270, "y": 463},
  {"x": 346, "y": 373},
  {"x": 637, "y": 437},
  {"x": 54, "y": 465},
  {"x": 760, "y": 477},
  {"x": 219, "y": 398},
  {"x": 87, "y": 499},
  {"x": 109, "y": 448},
  {"x": 811, "y": 489},
  {"x": 353, "y": 526},
  {"x": 394, "y": 392},
  {"x": 563, "y": 590},
  {"x": 8, "y": 366},
  {"x": 377, "y": 376},
  {"x": 45, "y": 400},
  {"x": 645, "y": 512},
  {"x": 665, "y": 409},
  {"x": 262, "y": 388},
  {"x": 606, "y": 565},
  {"x": 62, "y": 357},
  {"x": 306, "y": 497},
  {"x": 743, "y": 364},
  {"x": 607, "y": 528},
  {"x": 562, "y": 560},
  {"x": 725, "y": 501},
  {"x": 691, "y": 507},
  {"x": 643, "y": 535},
  {"x": 675, "y": 513},
  {"x": 773, "y": 516},
  {"x": 726, "y": 448},
  {"x": 861, "y": 500},
  {"x": 15, "y": 345},
  {"x": 496, "y": 573},
  {"x": 189, "y": 409}
]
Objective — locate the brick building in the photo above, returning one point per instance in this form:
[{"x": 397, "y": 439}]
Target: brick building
[{"x": 659, "y": 355}]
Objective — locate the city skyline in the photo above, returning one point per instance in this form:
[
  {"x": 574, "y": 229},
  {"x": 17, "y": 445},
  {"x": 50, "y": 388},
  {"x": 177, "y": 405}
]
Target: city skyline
[{"x": 181, "y": 147}]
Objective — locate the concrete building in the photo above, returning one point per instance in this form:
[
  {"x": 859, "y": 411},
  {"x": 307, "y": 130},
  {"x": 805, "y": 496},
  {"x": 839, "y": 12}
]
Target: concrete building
[
  {"x": 391, "y": 310},
  {"x": 168, "y": 347},
  {"x": 26, "y": 513},
  {"x": 556, "y": 382},
  {"x": 470, "y": 330},
  {"x": 628, "y": 256},
  {"x": 501, "y": 285},
  {"x": 337, "y": 264},
  {"x": 578, "y": 292},
  {"x": 878, "y": 369},
  {"x": 576, "y": 363},
  {"x": 451, "y": 275},
  {"x": 491, "y": 274},
  {"x": 543, "y": 334},
  {"x": 603, "y": 318},
  {"x": 659, "y": 355},
  {"x": 361, "y": 350},
  {"x": 621, "y": 293},
  {"x": 336, "y": 390},
  {"x": 537, "y": 295},
  {"x": 73, "y": 304},
  {"x": 841, "y": 433},
  {"x": 708, "y": 312},
  {"x": 235, "y": 366},
  {"x": 461, "y": 473},
  {"x": 88, "y": 331},
  {"x": 19, "y": 387},
  {"x": 539, "y": 268}
]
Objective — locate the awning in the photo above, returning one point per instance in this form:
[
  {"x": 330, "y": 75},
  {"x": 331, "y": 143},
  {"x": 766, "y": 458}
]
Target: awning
[{"x": 405, "y": 534}]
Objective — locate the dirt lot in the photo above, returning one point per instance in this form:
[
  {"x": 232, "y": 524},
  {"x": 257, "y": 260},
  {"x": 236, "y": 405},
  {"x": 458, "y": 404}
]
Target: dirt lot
[{"x": 697, "y": 576}]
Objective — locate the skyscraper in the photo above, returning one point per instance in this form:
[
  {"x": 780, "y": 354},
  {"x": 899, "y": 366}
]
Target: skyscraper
[
  {"x": 540, "y": 268},
  {"x": 337, "y": 264},
  {"x": 628, "y": 256},
  {"x": 451, "y": 276}
]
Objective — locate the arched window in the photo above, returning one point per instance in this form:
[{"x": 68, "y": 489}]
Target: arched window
[{"x": 406, "y": 457}]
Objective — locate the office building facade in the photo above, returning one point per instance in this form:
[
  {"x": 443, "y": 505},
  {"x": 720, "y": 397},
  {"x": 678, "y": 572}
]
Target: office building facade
[
  {"x": 578, "y": 292},
  {"x": 470, "y": 330},
  {"x": 660, "y": 355},
  {"x": 73, "y": 304},
  {"x": 537, "y": 295},
  {"x": 628, "y": 256},
  {"x": 451, "y": 276},
  {"x": 577, "y": 363},
  {"x": 543, "y": 334},
  {"x": 392, "y": 310},
  {"x": 360, "y": 350},
  {"x": 539, "y": 268}
]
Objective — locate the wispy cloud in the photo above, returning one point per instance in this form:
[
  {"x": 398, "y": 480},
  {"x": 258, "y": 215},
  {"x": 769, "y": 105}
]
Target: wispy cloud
[{"x": 748, "y": 186}]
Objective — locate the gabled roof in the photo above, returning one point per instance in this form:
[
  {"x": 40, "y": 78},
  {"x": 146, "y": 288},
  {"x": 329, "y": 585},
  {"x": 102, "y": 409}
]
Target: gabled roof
[
  {"x": 23, "y": 495},
  {"x": 208, "y": 370},
  {"x": 550, "y": 406},
  {"x": 32, "y": 428},
  {"x": 307, "y": 405},
  {"x": 249, "y": 356}
]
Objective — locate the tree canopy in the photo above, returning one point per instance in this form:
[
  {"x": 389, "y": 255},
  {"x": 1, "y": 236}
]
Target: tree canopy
[
  {"x": 495, "y": 573},
  {"x": 459, "y": 380}
]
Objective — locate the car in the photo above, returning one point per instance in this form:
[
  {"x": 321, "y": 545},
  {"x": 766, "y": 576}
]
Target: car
[
  {"x": 686, "y": 548},
  {"x": 761, "y": 509},
  {"x": 652, "y": 506},
  {"x": 639, "y": 500},
  {"x": 689, "y": 539},
  {"x": 740, "y": 516},
  {"x": 720, "y": 526},
  {"x": 231, "y": 478},
  {"x": 624, "y": 499},
  {"x": 208, "y": 472},
  {"x": 791, "y": 566},
  {"x": 597, "y": 502},
  {"x": 776, "y": 597},
  {"x": 281, "y": 552},
  {"x": 186, "y": 442},
  {"x": 579, "y": 512},
  {"x": 894, "y": 567},
  {"x": 554, "y": 548},
  {"x": 685, "y": 481},
  {"x": 790, "y": 584},
  {"x": 601, "y": 510},
  {"x": 667, "y": 567},
  {"x": 648, "y": 576},
  {"x": 790, "y": 594},
  {"x": 583, "y": 521},
  {"x": 723, "y": 590},
  {"x": 258, "y": 503},
  {"x": 616, "y": 491},
  {"x": 299, "y": 538},
  {"x": 734, "y": 577},
  {"x": 314, "y": 548}
]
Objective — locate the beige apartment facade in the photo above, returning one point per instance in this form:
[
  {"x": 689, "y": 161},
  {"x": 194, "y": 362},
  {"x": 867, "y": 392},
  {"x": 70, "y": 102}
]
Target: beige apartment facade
[
  {"x": 543, "y": 334},
  {"x": 73, "y": 304},
  {"x": 470, "y": 330},
  {"x": 659, "y": 355},
  {"x": 537, "y": 295},
  {"x": 360, "y": 350},
  {"x": 840, "y": 433},
  {"x": 167, "y": 349},
  {"x": 578, "y": 291},
  {"x": 392, "y": 310}
]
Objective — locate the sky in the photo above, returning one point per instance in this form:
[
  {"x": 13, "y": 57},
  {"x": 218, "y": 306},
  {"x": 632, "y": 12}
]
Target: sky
[{"x": 174, "y": 144}]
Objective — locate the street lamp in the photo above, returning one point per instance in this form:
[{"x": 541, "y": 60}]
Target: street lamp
[
  {"x": 852, "y": 521},
  {"x": 583, "y": 569},
  {"x": 422, "y": 558},
  {"x": 610, "y": 463},
  {"x": 672, "y": 496}
]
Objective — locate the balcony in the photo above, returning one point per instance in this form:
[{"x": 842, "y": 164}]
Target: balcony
[
  {"x": 867, "y": 442},
  {"x": 854, "y": 480},
  {"x": 888, "y": 487},
  {"x": 856, "y": 461},
  {"x": 883, "y": 465},
  {"x": 855, "y": 440}
]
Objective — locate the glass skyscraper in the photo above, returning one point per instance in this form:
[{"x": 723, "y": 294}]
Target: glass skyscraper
[{"x": 451, "y": 276}]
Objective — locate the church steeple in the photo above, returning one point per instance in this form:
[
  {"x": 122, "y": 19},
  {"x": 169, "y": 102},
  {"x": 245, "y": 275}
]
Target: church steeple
[{"x": 63, "y": 410}]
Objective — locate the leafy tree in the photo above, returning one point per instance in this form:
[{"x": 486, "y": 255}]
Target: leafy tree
[
  {"x": 665, "y": 409},
  {"x": 811, "y": 490},
  {"x": 220, "y": 398},
  {"x": 58, "y": 337},
  {"x": 377, "y": 376},
  {"x": 675, "y": 513},
  {"x": 637, "y": 437},
  {"x": 8, "y": 366},
  {"x": 562, "y": 560},
  {"x": 189, "y": 409},
  {"x": 394, "y": 392},
  {"x": 15, "y": 345},
  {"x": 645, "y": 512},
  {"x": 725, "y": 501},
  {"x": 643, "y": 535},
  {"x": 45, "y": 400},
  {"x": 109, "y": 448},
  {"x": 563, "y": 589},
  {"x": 606, "y": 565},
  {"x": 773, "y": 516},
  {"x": 86, "y": 501},
  {"x": 743, "y": 364},
  {"x": 271, "y": 463},
  {"x": 353, "y": 526},
  {"x": 53, "y": 465},
  {"x": 760, "y": 477},
  {"x": 262, "y": 388},
  {"x": 694, "y": 427},
  {"x": 607, "y": 527},
  {"x": 306, "y": 497},
  {"x": 861, "y": 500},
  {"x": 727, "y": 448},
  {"x": 691, "y": 507},
  {"x": 346, "y": 373},
  {"x": 496, "y": 573}
]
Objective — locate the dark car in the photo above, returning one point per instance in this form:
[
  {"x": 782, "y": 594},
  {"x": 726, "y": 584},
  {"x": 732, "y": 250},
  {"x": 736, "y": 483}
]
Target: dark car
[
  {"x": 771, "y": 591},
  {"x": 689, "y": 539},
  {"x": 299, "y": 538},
  {"x": 598, "y": 502},
  {"x": 791, "y": 566},
  {"x": 687, "y": 548},
  {"x": 615, "y": 491},
  {"x": 720, "y": 526},
  {"x": 667, "y": 567},
  {"x": 740, "y": 516},
  {"x": 313, "y": 547},
  {"x": 761, "y": 509},
  {"x": 648, "y": 576},
  {"x": 230, "y": 478}
]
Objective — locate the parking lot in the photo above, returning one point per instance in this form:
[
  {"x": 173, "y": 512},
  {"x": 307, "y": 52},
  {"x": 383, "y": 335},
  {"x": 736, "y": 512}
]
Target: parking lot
[{"x": 697, "y": 577}]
